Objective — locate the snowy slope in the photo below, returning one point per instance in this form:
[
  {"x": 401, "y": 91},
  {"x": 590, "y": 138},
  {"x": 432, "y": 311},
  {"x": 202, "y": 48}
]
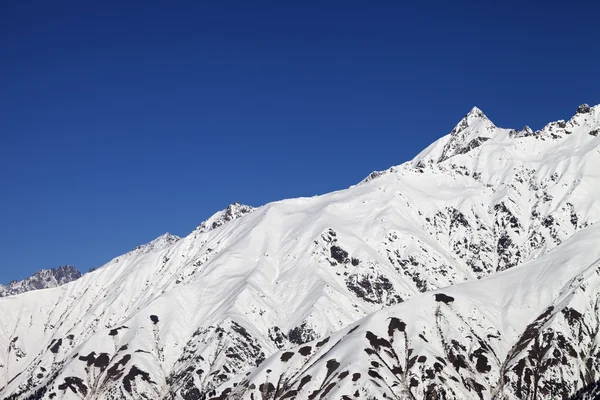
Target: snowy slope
[
  {"x": 531, "y": 329},
  {"x": 178, "y": 318},
  {"x": 43, "y": 279}
]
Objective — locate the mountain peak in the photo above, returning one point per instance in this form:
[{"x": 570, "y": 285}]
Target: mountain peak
[
  {"x": 42, "y": 279},
  {"x": 470, "y": 119},
  {"x": 233, "y": 211},
  {"x": 476, "y": 111},
  {"x": 474, "y": 129}
]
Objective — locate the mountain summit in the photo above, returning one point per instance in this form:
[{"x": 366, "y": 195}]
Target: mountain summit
[
  {"x": 469, "y": 272},
  {"x": 473, "y": 116}
]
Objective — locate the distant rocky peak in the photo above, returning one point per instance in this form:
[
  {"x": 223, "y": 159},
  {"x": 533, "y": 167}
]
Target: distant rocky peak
[
  {"x": 43, "y": 279},
  {"x": 232, "y": 212},
  {"x": 65, "y": 274}
]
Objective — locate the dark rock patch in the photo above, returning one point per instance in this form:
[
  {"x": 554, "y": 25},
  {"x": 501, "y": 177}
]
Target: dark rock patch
[
  {"x": 571, "y": 315},
  {"x": 331, "y": 365},
  {"x": 458, "y": 361},
  {"x": 102, "y": 361},
  {"x": 74, "y": 383},
  {"x": 457, "y": 219},
  {"x": 115, "y": 372},
  {"x": 395, "y": 325},
  {"x": 267, "y": 389},
  {"x": 289, "y": 395},
  {"x": 482, "y": 364},
  {"x": 305, "y": 379},
  {"x": 443, "y": 298},
  {"x": 375, "y": 289},
  {"x": 286, "y": 356},
  {"x": 327, "y": 390},
  {"x": 55, "y": 346},
  {"x": 584, "y": 109},
  {"x": 130, "y": 377},
  {"x": 194, "y": 393},
  {"x": 548, "y": 221},
  {"x": 338, "y": 254},
  {"x": 301, "y": 334},
  {"x": 89, "y": 359},
  {"x": 374, "y": 374},
  {"x": 115, "y": 331},
  {"x": 277, "y": 336},
  {"x": 377, "y": 342}
]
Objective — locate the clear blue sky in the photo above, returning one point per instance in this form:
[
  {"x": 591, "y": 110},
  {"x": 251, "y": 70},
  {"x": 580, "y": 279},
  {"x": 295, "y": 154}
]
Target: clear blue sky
[{"x": 124, "y": 120}]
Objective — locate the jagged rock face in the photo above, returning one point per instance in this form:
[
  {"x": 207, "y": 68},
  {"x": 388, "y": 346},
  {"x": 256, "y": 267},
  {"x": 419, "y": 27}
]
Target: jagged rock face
[
  {"x": 248, "y": 304},
  {"x": 232, "y": 212},
  {"x": 591, "y": 392},
  {"x": 583, "y": 109},
  {"x": 46, "y": 278}
]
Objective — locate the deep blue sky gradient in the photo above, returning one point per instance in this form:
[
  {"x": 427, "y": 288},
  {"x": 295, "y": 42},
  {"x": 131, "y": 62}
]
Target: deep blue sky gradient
[{"x": 120, "y": 121}]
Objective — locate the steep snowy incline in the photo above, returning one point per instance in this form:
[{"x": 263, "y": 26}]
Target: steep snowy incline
[
  {"x": 178, "y": 317},
  {"x": 43, "y": 279},
  {"x": 531, "y": 332}
]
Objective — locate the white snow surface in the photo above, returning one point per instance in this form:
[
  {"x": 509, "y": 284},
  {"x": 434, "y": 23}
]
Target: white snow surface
[{"x": 500, "y": 220}]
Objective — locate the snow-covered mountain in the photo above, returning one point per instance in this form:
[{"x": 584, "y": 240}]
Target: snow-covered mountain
[
  {"x": 530, "y": 332},
  {"x": 43, "y": 279},
  {"x": 323, "y": 297}
]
